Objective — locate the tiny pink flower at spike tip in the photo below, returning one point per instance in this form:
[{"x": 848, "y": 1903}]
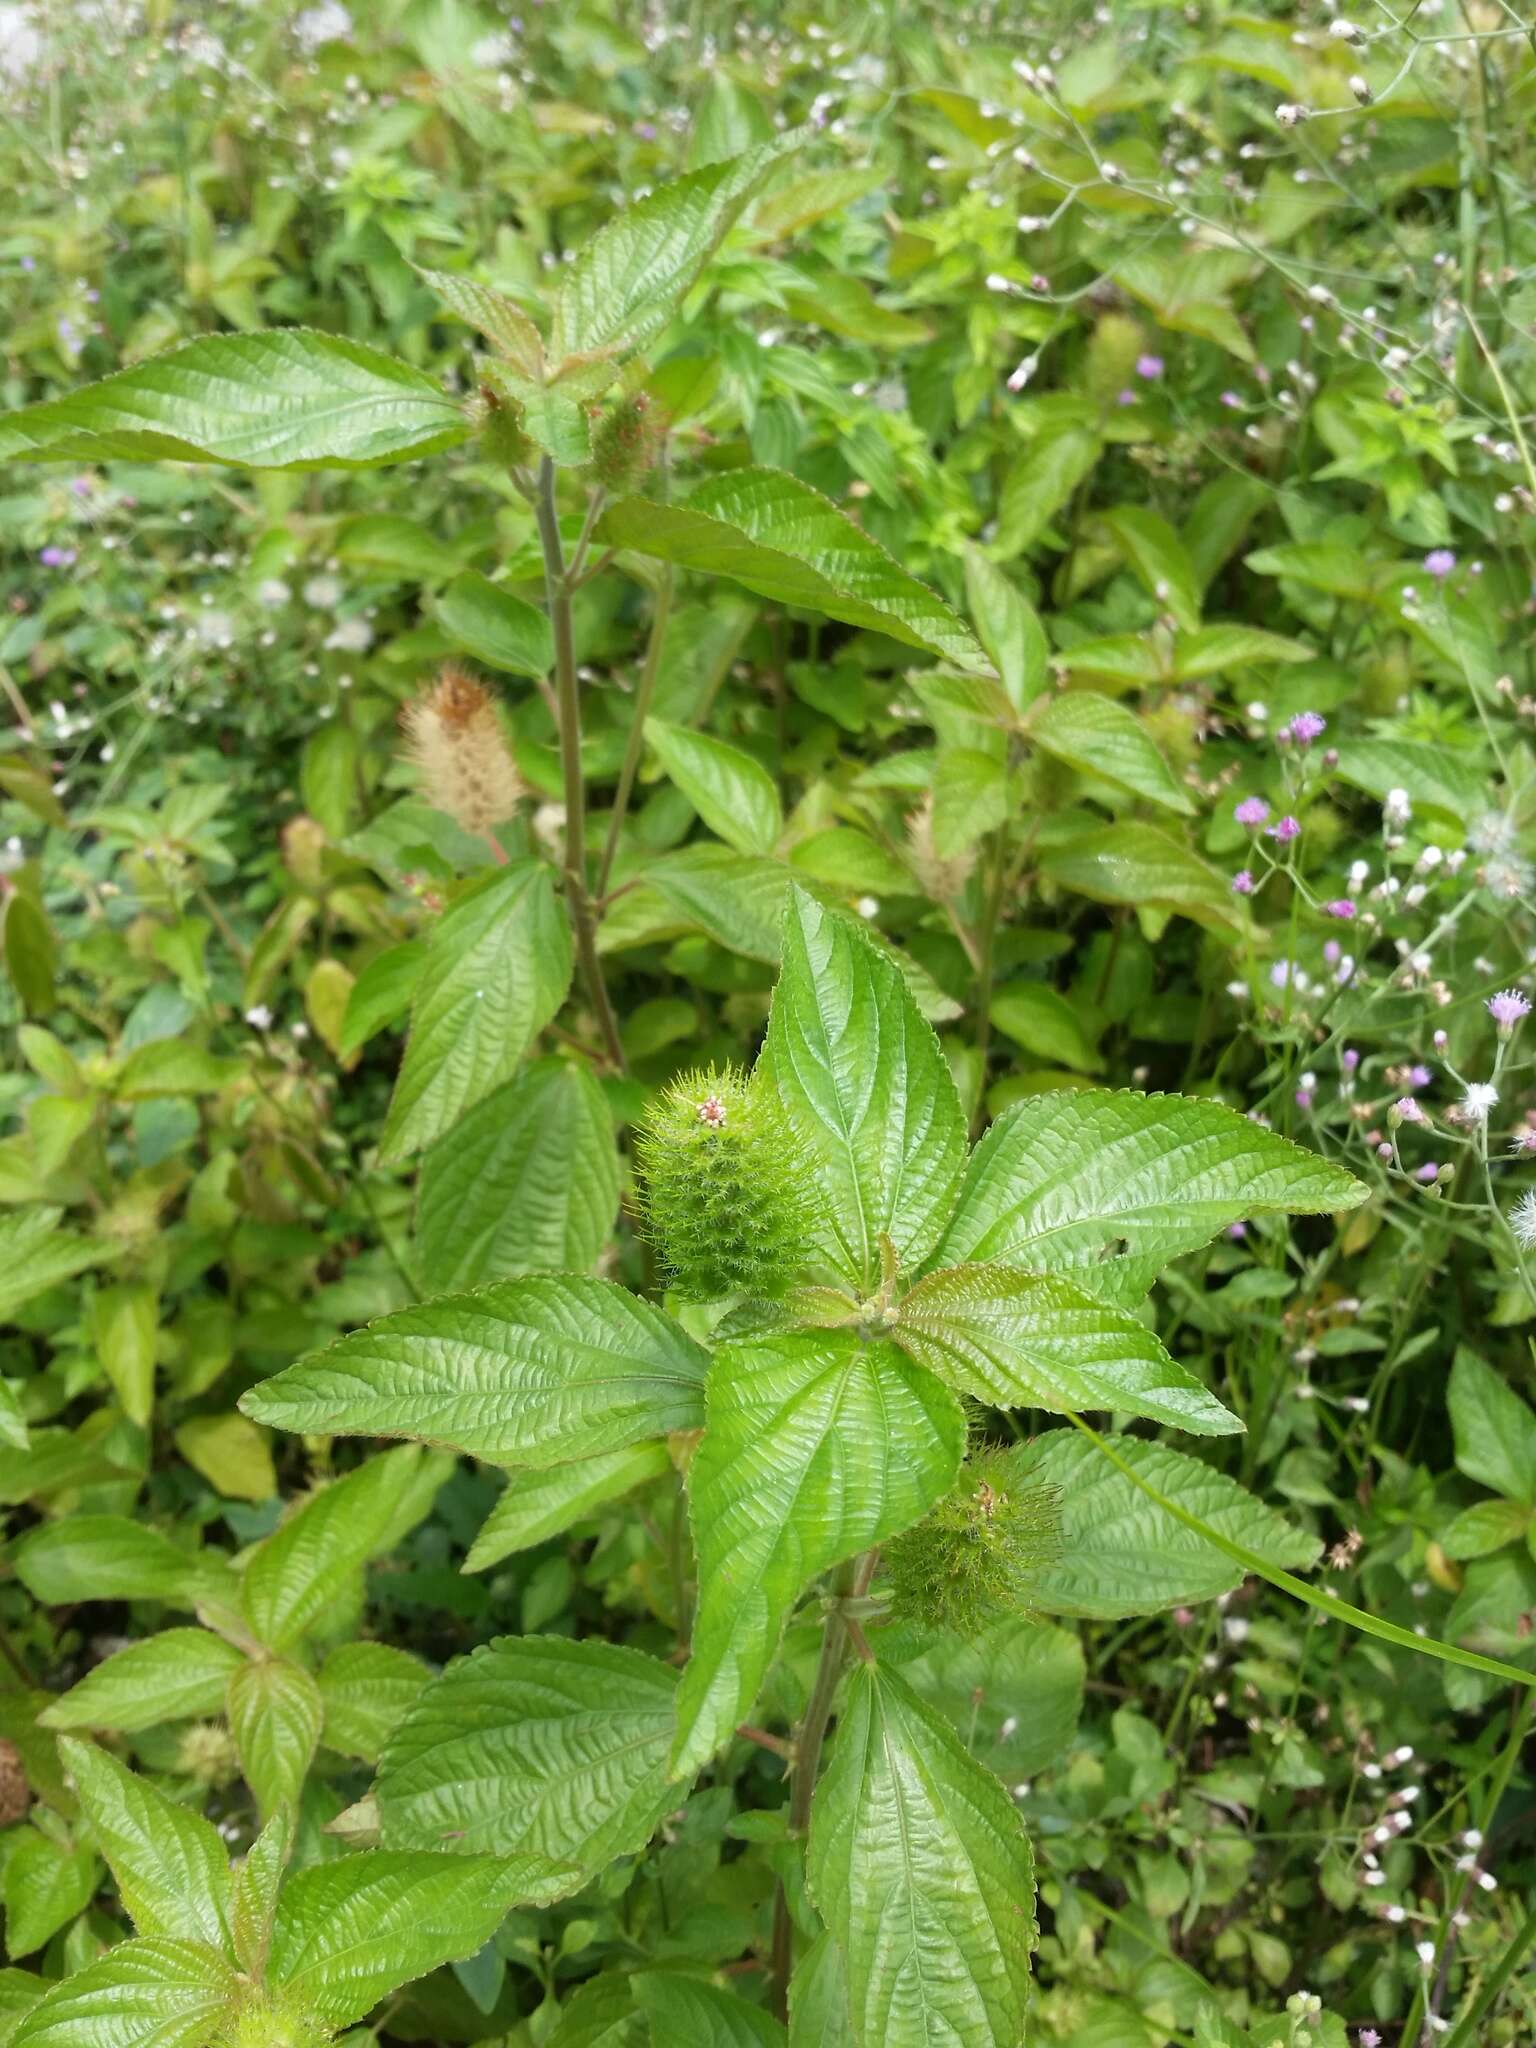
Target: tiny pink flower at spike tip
[
  {"x": 1287, "y": 829},
  {"x": 712, "y": 1112},
  {"x": 1252, "y": 811},
  {"x": 1508, "y": 1007}
]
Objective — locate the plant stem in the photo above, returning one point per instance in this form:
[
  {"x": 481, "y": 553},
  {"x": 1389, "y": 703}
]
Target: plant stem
[
  {"x": 852, "y": 1580},
  {"x": 557, "y": 591},
  {"x": 635, "y": 744}
]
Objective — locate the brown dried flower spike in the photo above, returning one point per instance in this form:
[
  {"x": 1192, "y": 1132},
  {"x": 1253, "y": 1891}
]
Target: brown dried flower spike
[{"x": 454, "y": 738}]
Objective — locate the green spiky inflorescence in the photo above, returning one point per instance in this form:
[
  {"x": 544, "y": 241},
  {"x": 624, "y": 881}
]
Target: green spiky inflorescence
[
  {"x": 727, "y": 1193},
  {"x": 270, "y": 2021},
  {"x": 971, "y": 1559}
]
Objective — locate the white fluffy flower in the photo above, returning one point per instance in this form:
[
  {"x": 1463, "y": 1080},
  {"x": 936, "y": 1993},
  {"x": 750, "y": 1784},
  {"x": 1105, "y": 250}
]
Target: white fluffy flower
[
  {"x": 1522, "y": 1221},
  {"x": 1481, "y": 1096}
]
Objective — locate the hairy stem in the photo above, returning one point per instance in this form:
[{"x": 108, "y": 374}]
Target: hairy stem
[
  {"x": 635, "y": 744},
  {"x": 851, "y": 1582},
  {"x": 557, "y": 590}
]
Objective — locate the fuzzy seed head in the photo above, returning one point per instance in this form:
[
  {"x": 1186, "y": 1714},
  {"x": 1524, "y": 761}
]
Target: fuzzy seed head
[
  {"x": 454, "y": 739},
  {"x": 626, "y": 439},
  {"x": 271, "y": 2021},
  {"x": 207, "y": 1753},
  {"x": 726, "y": 1187},
  {"x": 971, "y": 1560}
]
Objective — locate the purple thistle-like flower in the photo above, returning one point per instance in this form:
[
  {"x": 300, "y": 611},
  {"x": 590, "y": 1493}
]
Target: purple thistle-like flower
[
  {"x": 1349, "y": 1059},
  {"x": 1307, "y": 726},
  {"x": 1439, "y": 563},
  {"x": 1420, "y": 1076},
  {"x": 1150, "y": 367},
  {"x": 1126, "y": 398},
  {"x": 1507, "y": 1008},
  {"x": 1252, "y": 811},
  {"x": 1288, "y": 828},
  {"x": 1303, "y": 1098},
  {"x": 1242, "y": 882},
  {"x": 1340, "y": 907},
  {"x": 1405, "y": 1111},
  {"x": 57, "y": 558},
  {"x": 1428, "y": 1172}
]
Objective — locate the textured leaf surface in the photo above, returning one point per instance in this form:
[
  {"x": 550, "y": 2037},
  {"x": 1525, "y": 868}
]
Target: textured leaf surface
[
  {"x": 1039, "y": 1340},
  {"x": 1101, "y": 737},
  {"x": 497, "y": 970},
  {"x": 1495, "y": 1431},
  {"x": 527, "y": 1182},
  {"x": 783, "y": 539},
  {"x": 495, "y": 316},
  {"x": 348, "y": 1933},
  {"x": 296, "y": 1575},
  {"x": 733, "y": 793},
  {"x": 290, "y": 399},
  {"x": 367, "y": 1690},
  {"x": 275, "y": 1712},
  {"x": 1123, "y": 1554},
  {"x": 602, "y": 2014},
  {"x": 816, "y": 1446},
  {"x": 534, "y": 1506},
  {"x": 1132, "y": 862},
  {"x": 626, "y": 281},
  {"x": 919, "y": 1864},
  {"x": 170, "y": 1866},
  {"x": 867, "y": 1090},
  {"x": 527, "y": 1372},
  {"x": 535, "y": 1747},
  {"x": 685, "y": 2013},
  {"x": 982, "y": 1683},
  {"x": 109, "y": 1557},
  {"x": 35, "y": 1254},
  {"x": 143, "y": 1994},
  {"x": 496, "y": 626},
  {"x": 1112, "y": 1185},
  {"x": 175, "y": 1675}
]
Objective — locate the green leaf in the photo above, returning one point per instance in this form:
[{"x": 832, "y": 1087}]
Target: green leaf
[
  {"x": 400, "y": 547},
  {"x": 970, "y": 797},
  {"x": 685, "y": 2013},
  {"x": 867, "y": 1090},
  {"x": 367, "y": 1690},
  {"x": 495, "y": 316},
  {"x": 1008, "y": 627},
  {"x": 275, "y": 1711},
  {"x": 1039, "y": 1340},
  {"x": 816, "y": 1447},
  {"x": 47, "y": 1884},
  {"x": 179, "y": 1674},
  {"x": 765, "y": 529},
  {"x": 150, "y": 1993},
  {"x": 1157, "y": 555},
  {"x": 1111, "y": 1185},
  {"x": 628, "y": 278},
  {"x": 232, "y": 1454},
  {"x": 1044, "y": 1023},
  {"x": 296, "y": 1575},
  {"x": 169, "y": 1066},
  {"x": 289, "y": 399},
  {"x": 1123, "y": 1554},
  {"x": 1100, "y": 737},
  {"x": 348, "y": 1933},
  {"x": 601, "y": 2014},
  {"x": 1039, "y": 484},
  {"x": 978, "y": 1684},
  {"x": 31, "y": 953},
  {"x": 1484, "y": 1527},
  {"x": 1438, "y": 778},
  {"x": 1131, "y": 862},
  {"x": 382, "y": 994},
  {"x": 527, "y": 1182},
  {"x": 527, "y": 1372},
  {"x": 818, "y": 1998},
  {"x": 733, "y": 794},
  {"x": 257, "y": 1879},
  {"x": 1216, "y": 649},
  {"x": 536, "y": 1748},
  {"x": 919, "y": 1864},
  {"x": 35, "y": 1254},
  {"x": 122, "y": 1322},
  {"x": 1494, "y": 1429},
  {"x": 497, "y": 969},
  {"x": 497, "y": 627},
  {"x": 108, "y": 1557},
  {"x": 536, "y": 1505},
  {"x": 170, "y": 1866}
]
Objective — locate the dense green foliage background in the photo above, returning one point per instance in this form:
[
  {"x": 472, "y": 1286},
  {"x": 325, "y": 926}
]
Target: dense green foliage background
[{"x": 1203, "y": 332}]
